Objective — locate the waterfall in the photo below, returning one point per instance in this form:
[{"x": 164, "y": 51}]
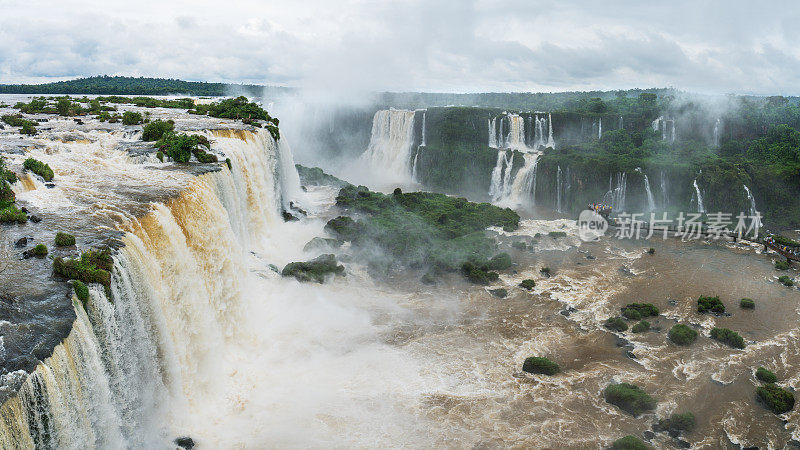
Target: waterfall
[
  {"x": 517, "y": 191},
  {"x": 616, "y": 195},
  {"x": 492, "y": 132},
  {"x": 540, "y": 143},
  {"x": 162, "y": 359},
  {"x": 717, "y": 125},
  {"x": 558, "y": 189},
  {"x": 414, "y": 175},
  {"x": 551, "y": 143},
  {"x": 391, "y": 142},
  {"x": 664, "y": 197},
  {"x": 651, "y": 203},
  {"x": 516, "y": 133},
  {"x": 753, "y": 211},
  {"x": 700, "y": 206},
  {"x": 599, "y": 128}
]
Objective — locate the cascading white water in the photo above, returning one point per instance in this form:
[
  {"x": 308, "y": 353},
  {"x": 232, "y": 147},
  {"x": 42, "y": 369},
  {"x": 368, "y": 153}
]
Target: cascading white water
[
  {"x": 391, "y": 143},
  {"x": 558, "y": 189},
  {"x": 539, "y": 135},
  {"x": 523, "y": 188},
  {"x": 414, "y": 174},
  {"x": 699, "y": 196},
  {"x": 717, "y": 125},
  {"x": 551, "y": 142},
  {"x": 651, "y": 202},
  {"x": 664, "y": 196},
  {"x": 515, "y": 139},
  {"x": 616, "y": 195},
  {"x": 753, "y": 211},
  {"x": 492, "y": 132},
  {"x": 496, "y": 183},
  {"x": 599, "y": 128}
]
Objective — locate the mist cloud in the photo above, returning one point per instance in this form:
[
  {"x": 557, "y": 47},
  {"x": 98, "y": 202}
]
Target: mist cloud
[{"x": 448, "y": 45}]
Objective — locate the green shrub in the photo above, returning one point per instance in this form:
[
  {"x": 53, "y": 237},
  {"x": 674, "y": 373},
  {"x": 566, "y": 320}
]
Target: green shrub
[
  {"x": 39, "y": 168},
  {"x": 180, "y": 147},
  {"x": 616, "y": 324},
  {"x": 40, "y": 251},
  {"x": 651, "y": 251},
  {"x": 131, "y": 118},
  {"x": 728, "y": 337},
  {"x": 775, "y": 398},
  {"x": 10, "y": 213},
  {"x": 710, "y": 304},
  {"x": 785, "y": 280},
  {"x": 344, "y": 228},
  {"x": 154, "y": 130},
  {"x": 540, "y": 365},
  {"x": 81, "y": 291},
  {"x": 64, "y": 239},
  {"x": 639, "y": 310},
  {"x": 501, "y": 261},
  {"x": 782, "y": 265},
  {"x": 747, "y": 303},
  {"x": 499, "y": 293},
  {"x": 527, "y": 284},
  {"x": 641, "y": 327},
  {"x": 629, "y": 442},
  {"x": 629, "y": 398},
  {"x": 228, "y": 162},
  {"x": 478, "y": 274},
  {"x": 160, "y": 155},
  {"x": 314, "y": 270},
  {"x": 677, "y": 423},
  {"x": 28, "y": 126},
  {"x": 765, "y": 375},
  {"x": 93, "y": 266},
  {"x": 681, "y": 334}
]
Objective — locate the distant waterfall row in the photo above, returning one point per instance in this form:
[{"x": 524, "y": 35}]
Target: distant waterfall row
[
  {"x": 667, "y": 128},
  {"x": 524, "y": 133}
]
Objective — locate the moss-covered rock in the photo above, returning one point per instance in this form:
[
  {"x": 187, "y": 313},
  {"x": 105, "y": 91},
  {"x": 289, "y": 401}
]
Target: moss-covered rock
[
  {"x": 629, "y": 442},
  {"x": 314, "y": 270},
  {"x": 782, "y": 265},
  {"x": 785, "y": 280},
  {"x": 641, "y": 327},
  {"x": 747, "y": 303},
  {"x": 629, "y": 398},
  {"x": 676, "y": 424},
  {"x": 765, "y": 375},
  {"x": 39, "y": 168},
  {"x": 64, "y": 239},
  {"x": 39, "y": 251},
  {"x": 499, "y": 293},
  {"x": 636, "y": 311},
  {"x": 344, "y": 228},
  {"x": 775, "y": 398},
  {"x": 527, "y": 284},
  {"x": 545, "y": 271},
  {"x": 540, "y": 365},
  {"x": 81, "y": 291},
  {"x": 710, "y": 304},
  {"x": 681, "y": 334},
  {"x": 616, "y": 324},
  {"x": 727, "y": 337},
  {"x": 94, "y": 266}
]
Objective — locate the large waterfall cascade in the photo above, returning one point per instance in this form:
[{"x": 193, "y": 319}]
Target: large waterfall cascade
[
  {"x": 697, "y": 197},
  {"x": 173, "y": 354},
  {"x": 519, "y": 189},
  {"x": 391, "y": 143},
  {"x": 617, "y": 192},
  {"x": 414, "y": 168}
]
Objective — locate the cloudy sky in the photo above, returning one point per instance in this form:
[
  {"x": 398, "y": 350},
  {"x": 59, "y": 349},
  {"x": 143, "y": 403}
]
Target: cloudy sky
[{"x": 430, "y": 45}]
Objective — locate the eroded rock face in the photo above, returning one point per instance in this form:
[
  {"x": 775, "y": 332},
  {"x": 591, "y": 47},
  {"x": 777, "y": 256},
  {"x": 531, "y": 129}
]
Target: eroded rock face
[{"x": 315, "y": 270}]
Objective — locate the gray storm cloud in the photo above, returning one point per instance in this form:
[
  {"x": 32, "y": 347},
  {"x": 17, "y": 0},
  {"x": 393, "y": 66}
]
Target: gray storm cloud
[{"x": 449, "y": 45}]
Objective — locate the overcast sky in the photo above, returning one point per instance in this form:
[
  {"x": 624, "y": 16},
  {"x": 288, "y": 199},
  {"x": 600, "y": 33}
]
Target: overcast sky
[{"x": 448, "y": 45}]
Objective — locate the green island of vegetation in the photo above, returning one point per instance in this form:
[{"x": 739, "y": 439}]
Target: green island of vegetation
[
  {"x": 681, "y": 334},
  {"x": 629, "y": 442},
  {"x": 710, "y": 304},
  {"x": 315, "y": 270},
  {"x": 540, "y": 365},
  {"x": 727, "y": 337},
  {"x": 629, "y": 398}
]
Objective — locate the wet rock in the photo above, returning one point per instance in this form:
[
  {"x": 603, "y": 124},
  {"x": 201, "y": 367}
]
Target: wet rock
[
  {"x": 78, "y": 121},
  {"x": 297, "y": 209},
  {"x": 50, "y": 185},
  {"x": 626, "y": 271},
  {"x": 648, "y": 435},
  {"x": 564, "y": 313},
  {"x": 34, "y": 218},
  {"x": 621, "y": 342},
  {"x": 589, "y": 256},
  {"x": 322, "y": 244},
  {"x": 630, "y": 355},
  {"x": 793, "y": 443},
  {"x": 185, "y": 442},
  {"x": 23, "y": 242},
  {"x": 680, "y": 443},
  {"x": 499, "y": 293},
  {"x": 24, "y": 209},
  {"x": 288, "y": 217},
  {"x": 673, "y": 302}
]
